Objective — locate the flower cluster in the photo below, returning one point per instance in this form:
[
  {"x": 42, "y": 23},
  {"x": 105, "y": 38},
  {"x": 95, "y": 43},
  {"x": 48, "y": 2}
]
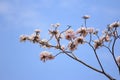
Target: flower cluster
[
  {"x": 110, "y": 32},
  {"x": 98, "y": 43},
  {"x": 83, "y": 31},
  {"x": 83, "y": 35},
  {"x": 72, "y": 45},
  {"x": 35, "y": 37},
  {"x": 75, "y": 38},
  {"x": 45, "y": 55},
  {"x": 78, "y": 37}
]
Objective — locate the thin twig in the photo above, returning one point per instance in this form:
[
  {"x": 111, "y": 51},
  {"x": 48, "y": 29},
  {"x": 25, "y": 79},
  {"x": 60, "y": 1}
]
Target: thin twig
[
  {"x": 65, "y": 30},
  {"x": 113, "y": 53},
  {"x": 96, "y": 56},
  {"x": 82, "y": 62},
  {"x": 58, "y": 54},
  {"x": 85, "y": 23},
  {"x": 99, "y": 71}
]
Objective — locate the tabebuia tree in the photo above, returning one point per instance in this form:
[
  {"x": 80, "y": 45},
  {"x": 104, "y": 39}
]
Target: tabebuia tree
[{"x": 83, "y": 35}]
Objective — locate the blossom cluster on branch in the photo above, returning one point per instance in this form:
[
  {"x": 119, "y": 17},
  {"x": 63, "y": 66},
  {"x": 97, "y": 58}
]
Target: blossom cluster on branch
[{"x": 83, "y": 35}]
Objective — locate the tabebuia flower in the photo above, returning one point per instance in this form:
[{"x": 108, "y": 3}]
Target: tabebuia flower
[
  {"x": 55, "y": 25},
  {"x": 114, "y": 25},
  {"x": 23, "y": 38},
  {"x": 45, "y": 44},
  {"x": 45, "y": 55},
  {"x": 54, "y": 32},
  {"x": 70, "y": 34},
  {"x": 86, "y": 17},
  {"x": 79, "y": 40},
  {"x": 72, "y": 46},
  {"x": 34, "y": 38},
  {"x": 90, "y": 30},
  {"x": 107, "y": 38},
  {"x": 82, "y": 31},
  {"x": 98, "y": 43},
  {"x": 37, "y": 30}
]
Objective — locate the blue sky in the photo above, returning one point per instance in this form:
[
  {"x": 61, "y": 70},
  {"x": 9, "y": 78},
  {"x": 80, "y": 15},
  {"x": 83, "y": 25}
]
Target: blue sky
[{"x": 20, "y": 61}]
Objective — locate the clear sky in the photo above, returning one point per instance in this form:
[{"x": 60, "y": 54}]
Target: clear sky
[{"x": 20, "y": 61}]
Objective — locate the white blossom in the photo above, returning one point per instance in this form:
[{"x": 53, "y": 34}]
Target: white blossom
[
  {"x": 23, "y": 38},
  {"x": 34, "y": 38},
  {"x": 79, "y": 40},
  {"x": 70, "y": 34},
  {"x": 82, "y": 31},
  {"x": 55, "y": 25},
  {"x": 54, "y": 32},
  {"x": 90, "y": 30},
  {"x": 86, "y": 17},
  {"x": 72, "y": 46},
  {"x": 107, "y": 38},
  {"x": 45, "y": 55},
  {"x": 114, "y": 25},
  {"x": 45, "y": 44},
  {"x": 98, "y": 43},
  {"x": 37, "y": 30}
]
